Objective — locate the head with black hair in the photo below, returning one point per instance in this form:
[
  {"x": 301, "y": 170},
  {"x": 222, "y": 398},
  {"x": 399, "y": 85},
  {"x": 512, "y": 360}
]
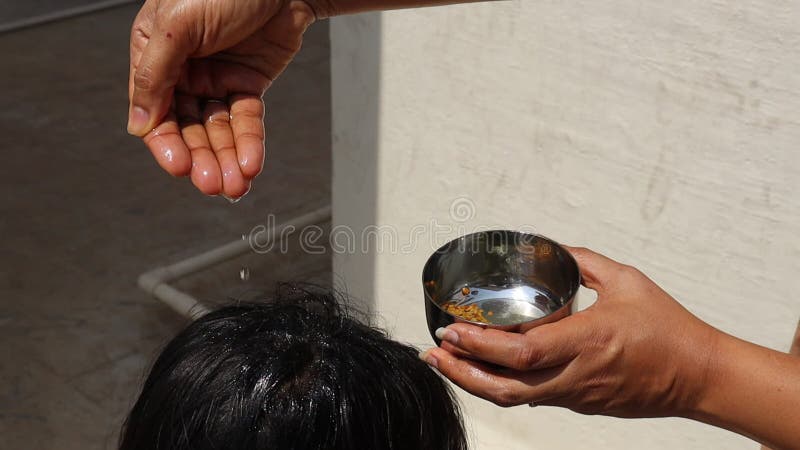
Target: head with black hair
[{"x": 296, "y": 373}]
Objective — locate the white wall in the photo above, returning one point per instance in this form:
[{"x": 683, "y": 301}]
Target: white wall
[{"x": 664, "y": 134}]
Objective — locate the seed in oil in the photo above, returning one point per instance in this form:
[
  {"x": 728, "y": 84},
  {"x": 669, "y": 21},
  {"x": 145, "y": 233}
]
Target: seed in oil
[{"x": 473, "y": 313}]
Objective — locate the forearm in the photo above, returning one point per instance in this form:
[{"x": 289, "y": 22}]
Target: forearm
[
  {"x": 330, "y": 8},
  {"x": 753, "y": 391}
]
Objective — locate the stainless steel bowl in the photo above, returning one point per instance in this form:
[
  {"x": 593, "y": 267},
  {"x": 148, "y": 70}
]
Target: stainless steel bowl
[{"x": 516, "y": 281}]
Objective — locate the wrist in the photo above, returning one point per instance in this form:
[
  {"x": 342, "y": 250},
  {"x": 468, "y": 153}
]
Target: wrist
[
  {"x": 753, "y": 391},
  {"x": 702, "y": 372}
]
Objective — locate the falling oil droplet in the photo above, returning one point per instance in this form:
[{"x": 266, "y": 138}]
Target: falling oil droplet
[
  {"x": 244, "y": 273},
  {"x": 231, "y": 200}
]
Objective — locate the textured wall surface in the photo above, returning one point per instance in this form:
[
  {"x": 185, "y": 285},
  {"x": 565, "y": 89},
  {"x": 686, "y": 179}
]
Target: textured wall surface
[{"x": 662, "y": 134}]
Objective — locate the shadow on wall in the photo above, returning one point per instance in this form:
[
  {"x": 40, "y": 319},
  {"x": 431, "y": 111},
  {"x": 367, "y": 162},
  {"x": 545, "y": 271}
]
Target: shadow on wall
[{"x": 355, "y": 57}]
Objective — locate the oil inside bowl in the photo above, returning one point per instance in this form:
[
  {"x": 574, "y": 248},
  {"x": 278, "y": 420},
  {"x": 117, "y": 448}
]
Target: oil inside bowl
[{"x": 501, "y": 305}]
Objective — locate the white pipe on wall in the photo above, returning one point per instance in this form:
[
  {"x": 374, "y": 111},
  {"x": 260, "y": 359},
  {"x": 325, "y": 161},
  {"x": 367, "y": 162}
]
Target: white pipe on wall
[{"x": 156, "y": 281}]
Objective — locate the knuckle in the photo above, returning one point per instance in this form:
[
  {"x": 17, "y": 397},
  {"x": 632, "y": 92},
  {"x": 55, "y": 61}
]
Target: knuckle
[
  {"x": 526, "y": 357},
  {"x": 632, "y": 271},
  {"x": 252, "y": 114},
  {"x": 470, "y": 338},
  {"x": 170, "y": 13},
  {"x": 579, "y": 253},
  {"x": 219, "y": 121},
  {"x": 136, "y": 32},
  {"x": 143, "y": 79},
  {"x": 580, "y": 250},
  {"x": 625, "y": 272},
  {"x": 254, "y": 135},
  {"x": 506, "y": 397},
  {"x": 632, "y": 276}
]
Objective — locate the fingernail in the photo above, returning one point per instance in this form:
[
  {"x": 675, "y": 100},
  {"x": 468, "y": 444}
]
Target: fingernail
[
  {"x": 428, "y": 358},
  {"x": 138, "y": 121},
  {"x": 447, "y": 334}
]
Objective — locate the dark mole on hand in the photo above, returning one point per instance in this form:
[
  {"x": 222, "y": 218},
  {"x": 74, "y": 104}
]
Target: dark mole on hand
[{"x": 169, "y": 35}]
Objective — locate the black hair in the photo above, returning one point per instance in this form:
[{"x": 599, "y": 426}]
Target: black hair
[{"x": 299, "y": 372}]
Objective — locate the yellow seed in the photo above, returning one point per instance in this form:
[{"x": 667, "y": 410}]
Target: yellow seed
[{"x": 470, "y": 312}]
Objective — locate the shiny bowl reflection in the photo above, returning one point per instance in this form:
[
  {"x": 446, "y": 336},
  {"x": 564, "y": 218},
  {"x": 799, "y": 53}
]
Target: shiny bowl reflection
[{"x": 500, "y": 279}]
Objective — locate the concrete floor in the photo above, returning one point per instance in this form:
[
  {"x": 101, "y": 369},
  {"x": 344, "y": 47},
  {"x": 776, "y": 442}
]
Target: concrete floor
[
  {"x": 85, "y": 209},
  {"x": 11, "y": 11}
]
